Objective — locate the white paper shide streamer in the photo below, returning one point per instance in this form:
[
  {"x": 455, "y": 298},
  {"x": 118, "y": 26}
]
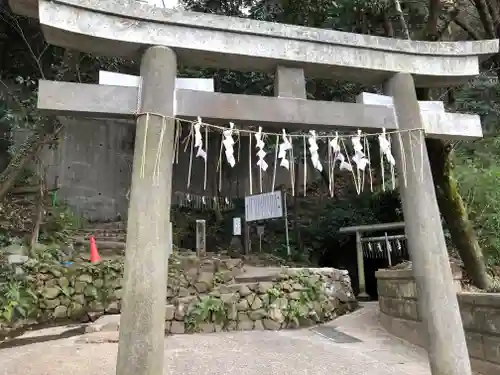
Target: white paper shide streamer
[
  {"x": 284, "y": 148},
  {"x": 313, "y": 150},
  {"x": 261, "y": 154},
  {"x": 228, "y": 143},
  {"x": 198, "y": 140},
  {"x": 338, "y": 156},
  {"x": 385, "y": 147},
  {"x": 359, "y": 157}
]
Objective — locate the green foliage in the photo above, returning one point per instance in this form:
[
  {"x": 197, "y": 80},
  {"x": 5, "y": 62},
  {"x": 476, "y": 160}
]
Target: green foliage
[
  {"x": 274, "y": 293},
  {"x": 51, "y": 253},
  {"x": 299, "y": 309},
  {"x": 208, "y": 309},
  {"x": 60, "y": 225},
  {"x": 477, "y": 165},
  {"x": 218, "y": 278},
  {"x": 18, "y": 300}
]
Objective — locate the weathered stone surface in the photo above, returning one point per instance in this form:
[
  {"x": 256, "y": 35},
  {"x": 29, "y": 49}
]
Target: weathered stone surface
[
  {"x": 90, "y": 291},
  {"x": 106, "y": 323},
  {"x": 257, "y": 303},
  {"x": 79, "y": 286},
  {"x": 264, "y": 287},
  {"x": 75, "y": 310},
  {"x": 60, "y": 311},
  {"x": 258, "y": 326},
  {"x": 169, "y": 312},
  {"x": 245, "y": 325},
  {"x": 180, "y": 312},
  {"x": 276, "y": 315},
  {"x": 207, "y": 327},
  {"x": 177, "y": 327},
  {"x": 492, "y": 349},
  {"x": 17, "y": 259},
  {"x": 113, "y": 308},
  {"x": 229, "y": 297},
  {"x": 50, "y": 293},
  {"x": 201, "y": 287},
  {"x": 86, "y": 278},
  {"x": 480, "y": 314},
  {"x": 242, "y": 305},
  {"x": 63, "y": 282},
  {"x": 271, "y": 324},
  {"x": 81, "y": 296},
  {"x": 257, "y": 314},
  {"x": 325, "y": 53}
]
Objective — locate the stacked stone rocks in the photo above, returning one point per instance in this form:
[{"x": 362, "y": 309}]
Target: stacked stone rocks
[
  {"x": 294, "y": 299},
  {"x": 203, "y": 295}
]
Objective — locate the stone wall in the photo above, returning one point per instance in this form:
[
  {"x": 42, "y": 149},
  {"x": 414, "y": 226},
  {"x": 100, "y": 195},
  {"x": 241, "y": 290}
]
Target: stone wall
[
  {"x": 202, "y": 295},
  {"x": 399, "y": 314}
]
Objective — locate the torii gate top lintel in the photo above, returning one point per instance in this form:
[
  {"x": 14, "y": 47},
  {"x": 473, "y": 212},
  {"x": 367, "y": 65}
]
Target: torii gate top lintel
[{"x": 124, "y": 28}]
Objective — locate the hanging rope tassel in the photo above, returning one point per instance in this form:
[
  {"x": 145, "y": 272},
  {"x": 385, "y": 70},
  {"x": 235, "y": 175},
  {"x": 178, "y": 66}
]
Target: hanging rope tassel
[
  {"x": 275, "y": 161},
  {"x": 305, "y": 167},
  {"x": 250, "y": 165},
  {"x": 144, "y": 143},
  {"x": 156, "y": 175}
]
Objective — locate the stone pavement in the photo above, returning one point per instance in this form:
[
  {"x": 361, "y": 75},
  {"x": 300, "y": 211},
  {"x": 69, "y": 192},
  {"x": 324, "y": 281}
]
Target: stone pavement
[{"x": 358, "y": 346}]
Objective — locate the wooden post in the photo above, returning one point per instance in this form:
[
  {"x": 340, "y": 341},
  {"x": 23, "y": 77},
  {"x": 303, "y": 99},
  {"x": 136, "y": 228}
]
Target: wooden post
[
  {"x": 438, "y": 303},
  {"x": 142, "y": 321},
  {"x": 201, "y": 238}
]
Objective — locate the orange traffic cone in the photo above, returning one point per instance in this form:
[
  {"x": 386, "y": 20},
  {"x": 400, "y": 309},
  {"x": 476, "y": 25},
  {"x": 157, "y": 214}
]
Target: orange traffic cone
[{"x": 94, "y": 254}]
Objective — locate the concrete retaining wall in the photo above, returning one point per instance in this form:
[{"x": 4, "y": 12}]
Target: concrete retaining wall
[
  {"x": 93, "y": 164},
  {"x": 399, "y": 314}
]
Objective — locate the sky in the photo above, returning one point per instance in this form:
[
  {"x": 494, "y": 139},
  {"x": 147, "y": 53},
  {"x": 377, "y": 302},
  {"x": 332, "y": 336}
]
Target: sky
[
  {"x": 173, "y": 4},
  {"x": 163, "y": 3}
]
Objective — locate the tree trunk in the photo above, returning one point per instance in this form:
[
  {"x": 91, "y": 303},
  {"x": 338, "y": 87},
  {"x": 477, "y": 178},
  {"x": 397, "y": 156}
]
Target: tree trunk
[
  {"x": 453, "y": 208},
  {"x": 26, "y": 152},
  {"x": 38, "y": 217}
]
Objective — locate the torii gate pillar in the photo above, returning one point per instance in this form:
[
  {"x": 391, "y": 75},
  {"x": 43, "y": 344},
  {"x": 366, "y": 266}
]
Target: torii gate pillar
[
  {"x": 142, "y": 322},
  {"x": 438, "y": 305}
]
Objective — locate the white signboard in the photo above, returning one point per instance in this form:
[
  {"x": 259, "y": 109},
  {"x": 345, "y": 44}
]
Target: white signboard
[
  {"x": 119, "y": 79},
  {"x": 236, "y": 226},
  {"x": 264, "y": 206}
]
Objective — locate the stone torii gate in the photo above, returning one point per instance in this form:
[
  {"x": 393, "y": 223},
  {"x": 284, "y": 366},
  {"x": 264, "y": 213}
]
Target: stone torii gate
[{"x": 164, "y": 37}]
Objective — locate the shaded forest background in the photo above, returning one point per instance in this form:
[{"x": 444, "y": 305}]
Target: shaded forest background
[{"x": 466, "y": 174}]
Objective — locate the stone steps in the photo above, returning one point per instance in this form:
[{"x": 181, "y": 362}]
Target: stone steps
[
  {"x": 109, "y": 236},
  {"x": 111, "y": 225},
  {"x": 100, "y": 243}
]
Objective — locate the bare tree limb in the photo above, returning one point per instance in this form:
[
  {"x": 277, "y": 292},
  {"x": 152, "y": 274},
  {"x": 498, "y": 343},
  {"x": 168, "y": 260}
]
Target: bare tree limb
[
  {"x": 467, "y": 28},
  {"x": 401, "y": 17},
  {"x": 494, "y": 9},
  {"x": 389, "y": 30},
  {"x": 431, "y": 28},
  {"x": 486, "y": 19}
]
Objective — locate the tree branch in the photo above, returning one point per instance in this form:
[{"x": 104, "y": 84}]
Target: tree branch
[
  {"x": 467, "y": 28},
  {"x": 485, "y": 16},
  {"x": 431, "y": 28},
  {"x": 401, "y": 17}
]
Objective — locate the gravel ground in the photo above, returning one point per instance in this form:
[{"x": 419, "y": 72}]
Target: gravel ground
[{"x": 357, "y": 346}]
